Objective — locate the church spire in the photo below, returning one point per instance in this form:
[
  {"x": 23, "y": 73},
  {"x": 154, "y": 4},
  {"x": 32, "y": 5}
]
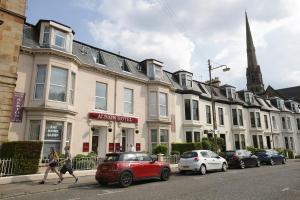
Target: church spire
[
  {"x": 254, "y": 77},
  {"x": 251, "y": 56}
]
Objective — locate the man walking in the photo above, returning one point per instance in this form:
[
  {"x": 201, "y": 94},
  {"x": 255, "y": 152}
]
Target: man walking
[{"x": 67, "y": 166}]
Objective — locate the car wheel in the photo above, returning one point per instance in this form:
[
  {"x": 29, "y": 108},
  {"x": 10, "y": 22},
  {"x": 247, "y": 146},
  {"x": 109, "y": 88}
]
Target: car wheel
[
  {"x": 202, "y": 170},
  {"x": 257, "y": 163},
  {"x": 182, "y": 172},
  {"x": 102, "y": 182},
  {"x": 165, "y": 174},
  {"x": 224, "y": 167},
  {"x": 271, "y": 162},
  {"x": 283, "y": 161},
  {"x": 242, "y": 164},
  {"x": 125, "y": 179}
]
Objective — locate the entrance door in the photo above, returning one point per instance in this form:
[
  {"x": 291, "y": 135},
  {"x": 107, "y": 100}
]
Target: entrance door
[
  {"x": 127, "y": 139},
  {"x": 268, "y": 142},
  {"x": 99, "y": 141},
  {"x": 95, "y": 143}
]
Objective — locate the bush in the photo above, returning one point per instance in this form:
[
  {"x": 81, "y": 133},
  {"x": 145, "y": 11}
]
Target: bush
[
  {"x": 163, "y": 149},
  {"x": 26, "y": 155},
  {"x": 206, "y": 144},
  {"x": 252, "y": 149},
  {"x": 286, "y": 152},
  {"x": 182, "y": 147}
]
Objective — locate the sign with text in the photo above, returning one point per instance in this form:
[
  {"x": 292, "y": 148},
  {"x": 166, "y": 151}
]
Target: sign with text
[
  {"x": 54, "y": 130},
  {"x": 17, "y": 110},
  {"x": 109, "y": 117}
]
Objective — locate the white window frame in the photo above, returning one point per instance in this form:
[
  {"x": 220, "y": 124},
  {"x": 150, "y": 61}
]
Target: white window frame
[
  {"x": 100, "y": 97},
  {"x": 30, "y": 131},
  {"x": 153, "y": 112},
  {"x": 72, "y": 88},
  {"x": 162, "y": 105},
  {"x": 62, "y": 35},
  {"x": 40, "y": 83},
  {"x": 46, "y": 32},
  {"x": 128, "y": 102},
  {"x": 57, "y": 85}
]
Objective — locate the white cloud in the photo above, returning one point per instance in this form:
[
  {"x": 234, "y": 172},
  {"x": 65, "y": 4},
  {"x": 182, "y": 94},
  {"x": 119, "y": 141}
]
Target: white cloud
[{"x": 186, "y": 34}]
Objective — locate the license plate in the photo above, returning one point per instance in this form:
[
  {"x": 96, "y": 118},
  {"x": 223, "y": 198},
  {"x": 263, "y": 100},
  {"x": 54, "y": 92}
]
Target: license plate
[{"x": 185, "y": 166}]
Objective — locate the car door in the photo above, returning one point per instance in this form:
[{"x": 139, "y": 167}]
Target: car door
[
  {"x": 206, "y": 159},
  {"x": 216, "y": 160},
  {"x": 134, "y": 165},
  {"x": 150, "y": 168}
]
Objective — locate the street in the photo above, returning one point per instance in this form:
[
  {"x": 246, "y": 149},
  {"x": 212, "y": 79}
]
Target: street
[{"x": 267, "y": 182}]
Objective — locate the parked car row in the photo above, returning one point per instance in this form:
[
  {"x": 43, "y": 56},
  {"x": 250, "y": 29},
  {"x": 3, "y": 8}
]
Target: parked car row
[{"x": 127, "y": 167}]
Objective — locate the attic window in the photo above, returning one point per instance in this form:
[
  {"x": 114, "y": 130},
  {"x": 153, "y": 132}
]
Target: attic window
[
  {"x": 249, "y": 97},
  {"x": 202, "y": 89},
  {"x": 99, "y": 58},
  {"x": 230, "y": 93},
  {"x": 46, "y": 35},
  {"x": 214, "y": 92},
  {"x": 139, "y": 68},
  {"x": 125, "y": 67}
]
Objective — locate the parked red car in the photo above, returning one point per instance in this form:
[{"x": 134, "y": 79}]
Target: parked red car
[{"x": 124, "y": 168}]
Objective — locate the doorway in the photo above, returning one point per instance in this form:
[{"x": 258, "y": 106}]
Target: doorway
[
  {"x": 99, "y": 141},
  {"x": 127, "y": 139},
  {"x": 268, "y": 142}
]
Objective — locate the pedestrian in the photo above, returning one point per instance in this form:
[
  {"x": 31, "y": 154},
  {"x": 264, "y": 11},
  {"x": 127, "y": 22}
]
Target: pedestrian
[
  {"x": 67, "y": 166},
  {"x": 53, "y": 163},
  {"x": 131, "y": 149}
]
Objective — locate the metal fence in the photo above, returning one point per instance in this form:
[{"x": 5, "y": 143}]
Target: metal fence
[
  {"x": 6, "y": 167},
  {"x": 172, "y": 159}
]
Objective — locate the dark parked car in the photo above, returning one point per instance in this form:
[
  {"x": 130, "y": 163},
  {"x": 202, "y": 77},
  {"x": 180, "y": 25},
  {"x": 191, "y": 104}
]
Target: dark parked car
[
  {"x": 270, "y": 157},
  {"x": 126, "y": 167},
  {"x": 240, "y": 159}
]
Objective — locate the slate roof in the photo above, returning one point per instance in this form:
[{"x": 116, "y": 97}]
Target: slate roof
[{"x": 290, "y": 93}]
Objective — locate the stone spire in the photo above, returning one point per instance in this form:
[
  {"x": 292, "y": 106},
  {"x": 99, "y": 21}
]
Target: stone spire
[{"x": 254, "y": 77}]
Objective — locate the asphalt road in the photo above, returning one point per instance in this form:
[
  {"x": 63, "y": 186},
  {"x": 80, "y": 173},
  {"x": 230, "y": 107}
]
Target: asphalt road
[{"x": 280, "y": 182}]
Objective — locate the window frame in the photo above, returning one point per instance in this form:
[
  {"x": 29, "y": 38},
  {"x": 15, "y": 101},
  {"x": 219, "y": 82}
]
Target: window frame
[
  {"x": 153, "y": 104},
  {"x": 100, "y": 97},
  {"x": 46, "y": 33},
  {"x": 221, "y": 116},
  {"x": 63, "y": 36},
  {"x": 58, "y": 85},
  {"x": 131, "y": 103},
  {"x": 208, "y": 114},
  {"x": 72, "y": 88},
  {"x": 165, "y": 95},
  {"x": 39, "y": 122},
  {"x": 40, "y": 83}
]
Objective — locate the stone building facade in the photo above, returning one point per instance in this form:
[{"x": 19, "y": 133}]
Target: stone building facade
[{"x": 12, "y": 17}]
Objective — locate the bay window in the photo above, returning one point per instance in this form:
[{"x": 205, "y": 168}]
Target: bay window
[
  {"x": 188, "y": 136},
  {"x": 128, "y": 101},
  {"x": 163, "y": 110},
  {"x": 274, "y": 122},
  {"x": 58, "y": 84},
  {"x": 187, "y": 109},
  {"x": 69, "y": 133},
  {"x": 40, "y": 81},
  {"x": 72, "y": 88},
  {"x": 101, "y": 96},
  {"x": 237, "y": 141},
  {"x": 289, "y": 123},
  {"x": 195, "y": 110},
  {"x": 283, "y": 123},
  {"x": 266, "y": 121},
  {"x": 159, "y": 136},
  {"x": 154, "y": 138},
  {"x": 153, "y": 104},
  {"x": 34, "y": 129},
  {"x": 258, "y": 119},
  {"x": 53, "y": 136},
  {"x": 240, "y": 113},
  {"x": 252, "y": 119},
  {"x": 164, "y": 137},
  {"x": 197, "y": 136}
]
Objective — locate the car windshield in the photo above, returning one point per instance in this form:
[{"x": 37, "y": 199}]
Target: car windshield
[
  {"x": 112, "y": 157},
  {"x": 189, "y": 154}
]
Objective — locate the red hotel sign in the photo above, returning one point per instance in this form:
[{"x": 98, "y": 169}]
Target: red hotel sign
[{"x": 108, "y": 117}]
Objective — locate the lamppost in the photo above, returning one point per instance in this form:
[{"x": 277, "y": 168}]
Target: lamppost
[{"x": 210, "y": 68}]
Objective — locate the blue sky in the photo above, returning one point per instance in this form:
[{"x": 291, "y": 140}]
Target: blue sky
[{"x": 185, "y": 34}]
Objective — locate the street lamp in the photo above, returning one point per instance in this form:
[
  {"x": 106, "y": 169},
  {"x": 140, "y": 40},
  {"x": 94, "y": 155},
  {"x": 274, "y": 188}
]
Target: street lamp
[{"x": 210, "y": 68}]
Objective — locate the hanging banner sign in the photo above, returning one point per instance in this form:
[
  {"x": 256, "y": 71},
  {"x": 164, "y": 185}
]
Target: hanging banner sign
[
  {"x": 18, "y": 103},
  {"x": 109, "y": 117}
]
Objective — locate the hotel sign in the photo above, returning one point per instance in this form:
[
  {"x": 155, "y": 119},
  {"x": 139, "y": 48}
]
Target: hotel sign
[
  {"x": 18, "y": 103},
  {"x": 109, "y": 117}
]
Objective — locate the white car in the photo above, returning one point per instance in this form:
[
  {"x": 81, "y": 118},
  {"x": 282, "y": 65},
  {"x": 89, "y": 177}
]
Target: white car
[{"x": 201, "y": 161}]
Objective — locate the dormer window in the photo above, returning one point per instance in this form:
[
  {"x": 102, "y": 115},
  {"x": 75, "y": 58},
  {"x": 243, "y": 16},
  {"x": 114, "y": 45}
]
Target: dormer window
[
  {"x": 157, "y": 72},
  {"x": 280, "y": 103},
  {"x": 125, "y": 67},
  {"x": 46, "y": 35},
  {"x": 154, "y": 71},
  {"x": 249, "y": 97},
  {"x": 186, "y": 80},
  {"x": 230, "y": 92},
  {"x": 60, "y": 39}
]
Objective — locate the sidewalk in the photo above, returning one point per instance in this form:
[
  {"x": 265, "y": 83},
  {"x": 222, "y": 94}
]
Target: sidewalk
[{"x": 28, "y": 184}]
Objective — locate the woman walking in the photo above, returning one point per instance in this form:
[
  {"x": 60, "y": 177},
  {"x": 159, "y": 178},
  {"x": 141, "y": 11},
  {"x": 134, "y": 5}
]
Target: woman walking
[{"x": 53, "y": 163}]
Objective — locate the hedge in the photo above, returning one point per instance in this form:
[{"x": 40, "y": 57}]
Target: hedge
[
  {"x": 205, "y": 144},
  {"x": 163, "y": 149},
  {"x": 25, "y": 154}
]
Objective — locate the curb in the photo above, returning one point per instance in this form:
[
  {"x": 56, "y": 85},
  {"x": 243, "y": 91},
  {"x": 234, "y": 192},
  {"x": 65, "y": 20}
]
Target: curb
[{"x": 37, "y": 177}]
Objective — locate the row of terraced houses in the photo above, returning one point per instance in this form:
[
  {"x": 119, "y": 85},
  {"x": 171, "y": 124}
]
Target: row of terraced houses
[{"x": 69, "y": 92}]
